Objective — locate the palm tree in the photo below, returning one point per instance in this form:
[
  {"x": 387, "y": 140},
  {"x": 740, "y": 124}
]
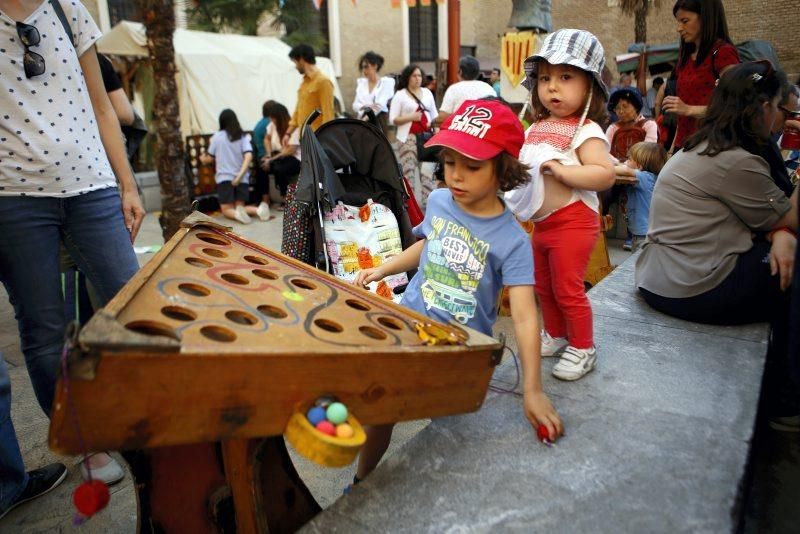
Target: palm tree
[
  {"x": 241, "y": 16},
  {"x": 639, "y": 10},
  {"x": 159, "y": 21}
]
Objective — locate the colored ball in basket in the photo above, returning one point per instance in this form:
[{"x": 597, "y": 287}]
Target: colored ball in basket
[
  {"x": 315, "y": 415},
  {"x": 344, "y": 431},
  {"x": 91, "y": 497},
  {"x": 337, "y": 413},
  {"x": 325, "y": 401},
  {"x": 326, "y": 427}
]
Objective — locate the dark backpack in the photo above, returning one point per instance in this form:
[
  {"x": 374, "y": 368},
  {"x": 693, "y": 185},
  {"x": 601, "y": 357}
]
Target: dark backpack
[
  {"x": 626, "y": 137},
  {"x": 752, "y": 50}
]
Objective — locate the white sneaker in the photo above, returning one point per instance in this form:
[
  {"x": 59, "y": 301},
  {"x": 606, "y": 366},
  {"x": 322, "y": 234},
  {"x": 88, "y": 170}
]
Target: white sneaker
[
  {"x": 575, "y": 363},
  {"x": 263, "y": 211},
  {"x": 241, "y": 215},
  {"x": 111, "y": 473},
  {"x": 551, "y": 345}
]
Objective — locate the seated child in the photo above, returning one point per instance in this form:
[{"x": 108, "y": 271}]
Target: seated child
[
  {"x": 231, "y": 152},
  {"x": 645, "y": 161},
  {"x": 471, "y": 246}
]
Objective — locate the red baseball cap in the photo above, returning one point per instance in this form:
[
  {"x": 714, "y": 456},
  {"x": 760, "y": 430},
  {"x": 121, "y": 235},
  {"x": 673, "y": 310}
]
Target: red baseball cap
[{"x": 481, "y": 129}]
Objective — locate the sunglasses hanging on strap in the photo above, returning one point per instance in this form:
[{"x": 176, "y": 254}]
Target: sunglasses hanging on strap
[
  {"x": 33, "y": 63},
  {"x": 29, "y": 36}
]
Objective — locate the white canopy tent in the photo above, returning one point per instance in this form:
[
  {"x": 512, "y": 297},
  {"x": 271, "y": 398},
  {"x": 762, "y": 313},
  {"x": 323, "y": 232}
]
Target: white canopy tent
[{"x": 218, "y": 71}]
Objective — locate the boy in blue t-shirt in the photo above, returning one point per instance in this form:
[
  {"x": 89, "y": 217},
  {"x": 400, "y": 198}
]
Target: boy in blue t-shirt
[
  {"x": 471, "y": 247},
  {"x": 645, "y": 161}
]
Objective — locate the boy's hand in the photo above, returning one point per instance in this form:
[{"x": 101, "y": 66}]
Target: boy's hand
[
  {"x": 539, "y": 411},
  {"x": 236, "y": 181},
  {"x": 366, "y": 276}
]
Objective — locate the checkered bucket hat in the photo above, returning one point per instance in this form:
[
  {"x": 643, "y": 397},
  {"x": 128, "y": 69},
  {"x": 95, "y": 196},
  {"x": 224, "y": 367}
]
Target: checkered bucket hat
[{"x": 578, "y": 48}]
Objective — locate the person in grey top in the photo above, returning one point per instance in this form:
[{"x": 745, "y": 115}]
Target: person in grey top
[{"x": 721, "y": 240}]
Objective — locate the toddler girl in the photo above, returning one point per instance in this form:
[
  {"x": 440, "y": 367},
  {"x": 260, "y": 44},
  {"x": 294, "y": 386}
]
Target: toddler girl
[{"x": 568, "y": 155}]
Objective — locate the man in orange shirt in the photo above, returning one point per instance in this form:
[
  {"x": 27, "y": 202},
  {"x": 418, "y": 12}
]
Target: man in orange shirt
[{"x": 316, "y": 91}]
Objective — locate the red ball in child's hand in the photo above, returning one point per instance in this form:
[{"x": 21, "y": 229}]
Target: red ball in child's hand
[
  {"x": 542, "y": 433},
  {"x": 91, "y": 497},
  {"x": 326, "y": 427}
]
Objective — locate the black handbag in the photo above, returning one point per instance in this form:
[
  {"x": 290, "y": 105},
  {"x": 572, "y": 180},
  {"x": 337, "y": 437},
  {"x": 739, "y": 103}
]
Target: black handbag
[{"x": 425, "y": 154}]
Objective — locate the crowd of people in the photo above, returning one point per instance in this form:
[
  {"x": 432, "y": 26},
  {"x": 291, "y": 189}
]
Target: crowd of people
[{"x": 711, "y": 202}]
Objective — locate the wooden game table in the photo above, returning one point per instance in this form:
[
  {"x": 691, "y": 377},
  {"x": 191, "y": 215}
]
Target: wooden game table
[{"x": 195, "y": 368}]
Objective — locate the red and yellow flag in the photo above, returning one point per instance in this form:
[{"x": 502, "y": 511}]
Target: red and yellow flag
[{"x": 515, "y": 48}]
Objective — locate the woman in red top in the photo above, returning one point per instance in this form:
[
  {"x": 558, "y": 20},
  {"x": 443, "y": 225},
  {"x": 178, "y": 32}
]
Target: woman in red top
[{"x": 705, "y": 53}]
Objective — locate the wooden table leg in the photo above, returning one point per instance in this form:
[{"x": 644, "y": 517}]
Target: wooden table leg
[
  {"x": 242, "y": 486},
  {"x": 181, "y": 489},
  {"x": 268, "y": 493}
]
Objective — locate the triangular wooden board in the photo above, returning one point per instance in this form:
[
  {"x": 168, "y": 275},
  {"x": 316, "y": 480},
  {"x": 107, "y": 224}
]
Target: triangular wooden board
[{"x": 230, "y": 338}]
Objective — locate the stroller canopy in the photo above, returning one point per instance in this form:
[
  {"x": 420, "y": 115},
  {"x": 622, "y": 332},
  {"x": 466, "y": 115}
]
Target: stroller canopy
[{"x": 345, "y": 144}]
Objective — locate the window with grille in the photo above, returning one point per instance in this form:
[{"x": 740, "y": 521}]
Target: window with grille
[
  {"x": 423, "y": 29},
  {"x": 323, "y": 29},
  {"x": 119, "y": 10}
]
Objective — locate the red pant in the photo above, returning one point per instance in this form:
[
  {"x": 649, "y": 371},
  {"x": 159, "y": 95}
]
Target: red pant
[{"x": 562, "y": 245}]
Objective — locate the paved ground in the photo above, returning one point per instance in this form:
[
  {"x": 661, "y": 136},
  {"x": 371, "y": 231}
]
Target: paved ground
[{"x": 772, "y": 510}]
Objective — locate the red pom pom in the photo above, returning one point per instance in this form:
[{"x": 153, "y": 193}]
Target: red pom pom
[
  {"x": 91, "y": 497},
  {"x": 542, "y": 433}
]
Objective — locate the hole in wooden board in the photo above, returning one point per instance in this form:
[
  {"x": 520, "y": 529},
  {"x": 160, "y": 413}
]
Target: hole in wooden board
[
  {"x": 218, "y": 333},
  {"x": 215, "y": 252},
  {"x": 269, "y": 275},
  {"x": 303, "y": 284},
  {"x": 152, "y": 328},
  {"x": 213, "y": 239},
  {"x": 272, "y": 311},
  {"x": 357, "y": 305},
  {"x": 198, "y": 262},
  {"x": 389, "y": 322},
  {"x": 240, "y": 317},
  {"x": 195, "y": 290},
  {"x": 328, "y": 326},
  {"x": 178, "y": 313},
  {"x": 235, "y": 279},
  {"x": 256, "y": 259},
  {"x": 372, "y": 332}
]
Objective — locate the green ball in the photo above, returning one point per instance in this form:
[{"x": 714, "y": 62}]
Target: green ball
[{"x": 337, "y": 413}]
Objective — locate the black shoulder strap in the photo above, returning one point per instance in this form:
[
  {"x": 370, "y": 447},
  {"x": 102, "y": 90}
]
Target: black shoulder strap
[
  {"x": 418, "y": 100},
  {"x": 63, "y": 18}
]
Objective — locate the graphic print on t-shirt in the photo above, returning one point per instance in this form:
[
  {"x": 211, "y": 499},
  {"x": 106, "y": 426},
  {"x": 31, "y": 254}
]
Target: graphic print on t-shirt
[{"x": 455, "y": 266}]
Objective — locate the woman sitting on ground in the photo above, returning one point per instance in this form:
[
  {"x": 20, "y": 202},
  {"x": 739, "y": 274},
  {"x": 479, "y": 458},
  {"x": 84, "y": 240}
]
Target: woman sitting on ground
[
  {"x": 721, "y": 242},
  {"x": 284, "y": 159}
]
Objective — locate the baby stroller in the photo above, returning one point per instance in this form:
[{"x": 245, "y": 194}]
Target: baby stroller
[{"x": 348, "y": 161}]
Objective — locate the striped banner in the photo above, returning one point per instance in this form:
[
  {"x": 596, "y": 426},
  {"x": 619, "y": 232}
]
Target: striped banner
[{"x": 515, "y": 48}]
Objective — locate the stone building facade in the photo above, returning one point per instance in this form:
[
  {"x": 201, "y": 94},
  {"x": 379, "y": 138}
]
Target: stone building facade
[{"x": 374, "y": 24}]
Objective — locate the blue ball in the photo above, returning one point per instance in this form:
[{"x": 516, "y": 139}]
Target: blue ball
[{"x": 315, "y": 415}]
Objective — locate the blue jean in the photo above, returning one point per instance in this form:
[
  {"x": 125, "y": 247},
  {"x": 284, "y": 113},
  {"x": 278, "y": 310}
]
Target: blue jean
[{"x": 92, "y": 228}]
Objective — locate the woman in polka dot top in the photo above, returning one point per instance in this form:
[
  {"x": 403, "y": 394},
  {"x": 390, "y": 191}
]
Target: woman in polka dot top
[{"x": 64, "y": 178}]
